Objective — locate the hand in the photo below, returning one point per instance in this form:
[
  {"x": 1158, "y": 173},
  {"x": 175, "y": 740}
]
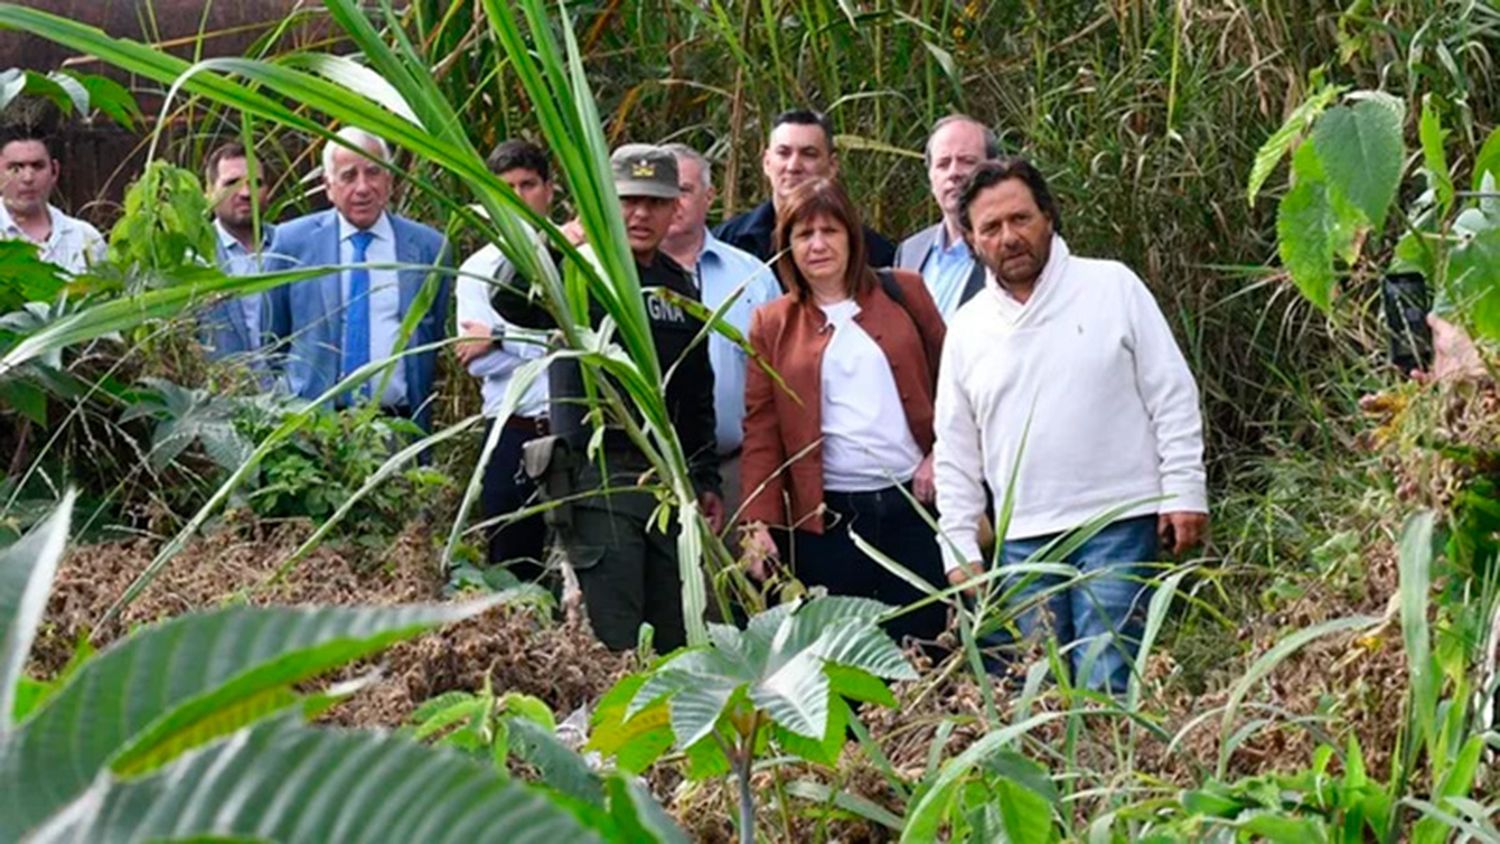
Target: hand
[
  {"x": 1179, "y": 532},
  {"x": 476, "y": 341},
  {"x": 963, "y": 574},
  {"x": 922, "y": 485},
  {"x": 1454, "y": 357},
  {"x": 573, "y": 231},
  {"x": 713, "y": 510},
  {"x": 758, "y": 550}
]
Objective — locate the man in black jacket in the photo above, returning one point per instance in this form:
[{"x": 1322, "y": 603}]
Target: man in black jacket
[
  {"x": 800, "y": 148},
  {"x": 626, "y": 568}
]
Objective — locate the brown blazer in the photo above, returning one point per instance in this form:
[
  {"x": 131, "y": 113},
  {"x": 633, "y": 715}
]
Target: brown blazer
[{"x": 782, "y": 423}]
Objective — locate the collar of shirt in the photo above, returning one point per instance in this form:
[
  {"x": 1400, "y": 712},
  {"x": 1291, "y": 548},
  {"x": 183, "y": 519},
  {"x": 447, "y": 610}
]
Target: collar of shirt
[
  {"x": 1051, "y": 276},
  {"x": 11, "y": 229},
  {"x": 382, "y": 228},
  {"x": 232, "y": 244}
]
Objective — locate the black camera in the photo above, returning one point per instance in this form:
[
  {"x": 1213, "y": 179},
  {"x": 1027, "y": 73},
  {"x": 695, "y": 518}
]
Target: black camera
[{"x": 1407, "y": 302}]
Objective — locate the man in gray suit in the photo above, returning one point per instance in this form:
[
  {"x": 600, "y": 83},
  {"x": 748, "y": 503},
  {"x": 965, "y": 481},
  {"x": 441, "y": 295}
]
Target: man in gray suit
[{"x": 957, "y": 145}]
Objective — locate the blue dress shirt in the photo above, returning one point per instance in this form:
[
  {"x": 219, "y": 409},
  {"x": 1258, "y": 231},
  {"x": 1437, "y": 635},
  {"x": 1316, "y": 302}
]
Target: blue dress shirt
[
  {"x": 385, "y": 300},
  {"x": 947, "y": 272},
  {"x": 720, "y": 271}
]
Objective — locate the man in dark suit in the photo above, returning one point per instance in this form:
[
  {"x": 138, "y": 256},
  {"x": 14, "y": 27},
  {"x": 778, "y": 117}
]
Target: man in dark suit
[
  {"x": 957, "y": 145},
  {"x": 338, "y": 322},
  {"x": 237, "y": 326},
  {"x": 800, "y": 149}
]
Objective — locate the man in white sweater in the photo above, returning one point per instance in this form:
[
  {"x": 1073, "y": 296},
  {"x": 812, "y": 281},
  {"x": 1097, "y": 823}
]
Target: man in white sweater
[{"x": 1062, "y": 381}]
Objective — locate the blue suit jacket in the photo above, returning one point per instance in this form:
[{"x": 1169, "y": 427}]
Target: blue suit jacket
[
  {"x": 309, "y": 315},
  {"x": 222, "y": 326}
]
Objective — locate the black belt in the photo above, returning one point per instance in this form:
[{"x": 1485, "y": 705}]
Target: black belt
[{"x": 535, "y": 426}]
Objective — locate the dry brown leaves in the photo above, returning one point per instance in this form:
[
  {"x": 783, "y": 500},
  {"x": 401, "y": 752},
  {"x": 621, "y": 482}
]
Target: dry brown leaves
[{"x": 561, "y": 664}]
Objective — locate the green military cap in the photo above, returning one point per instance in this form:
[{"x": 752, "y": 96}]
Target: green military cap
[{"x": 644, "y": 170}]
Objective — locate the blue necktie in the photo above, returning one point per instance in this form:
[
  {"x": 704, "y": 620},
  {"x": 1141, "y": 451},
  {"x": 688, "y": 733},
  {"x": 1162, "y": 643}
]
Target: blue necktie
[{"x": 357, "y": 310}]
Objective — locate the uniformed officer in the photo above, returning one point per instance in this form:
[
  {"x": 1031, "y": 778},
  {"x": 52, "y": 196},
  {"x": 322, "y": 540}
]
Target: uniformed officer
[{"x": 626, "y": 568}]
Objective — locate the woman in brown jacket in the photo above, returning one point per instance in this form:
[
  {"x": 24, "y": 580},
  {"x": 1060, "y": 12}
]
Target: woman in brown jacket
[{"x": 828, "y": 451}]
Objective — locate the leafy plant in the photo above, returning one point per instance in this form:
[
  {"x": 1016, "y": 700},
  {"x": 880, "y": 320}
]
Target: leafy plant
[
  {"x": 787, "y": 679},
  {"x": 213, "y": 699},
  {"x": 1345, "y": 177},
  {"x": 167, "y": 224}
]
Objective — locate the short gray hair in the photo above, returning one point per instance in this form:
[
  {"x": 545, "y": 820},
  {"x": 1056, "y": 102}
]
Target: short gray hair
[
  {"x": 991, "y": 140},
  {"x": 359, "y": 138},
  {"x": 705, "y": 169}
]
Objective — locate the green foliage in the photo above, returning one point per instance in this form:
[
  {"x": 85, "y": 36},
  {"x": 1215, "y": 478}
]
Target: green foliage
[
  {"x": 186, "y": 417},
  {"x": 1363, "y": 152},
  {"x": 167, "y": 224},
  {"x": 786, "y": 678},
  {"x": 1344, "y": 176},
  {"x": 317, "y": 470},
  {"x": 72, "y": 91},
  {"x": 1315, "y": 804},
  {"x": 27, "y": 277},
  {"x": 212, "y": 699}
]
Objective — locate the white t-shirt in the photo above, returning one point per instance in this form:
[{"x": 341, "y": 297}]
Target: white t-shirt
[{"x": 867, "y": 444}]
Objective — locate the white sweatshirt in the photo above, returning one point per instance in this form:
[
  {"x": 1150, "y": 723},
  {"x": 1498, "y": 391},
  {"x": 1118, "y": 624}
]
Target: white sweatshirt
[{"x": 1081, "y": 392}]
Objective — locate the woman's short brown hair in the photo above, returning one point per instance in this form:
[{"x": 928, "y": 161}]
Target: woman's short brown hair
[{"x": 821, "y": 197}]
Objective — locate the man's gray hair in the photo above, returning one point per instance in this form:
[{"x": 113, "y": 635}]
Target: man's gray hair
[
  {"x": 359, "y": 138},
  {"x": 705, "y": 169},
  {"x": 991, "y": 140}
]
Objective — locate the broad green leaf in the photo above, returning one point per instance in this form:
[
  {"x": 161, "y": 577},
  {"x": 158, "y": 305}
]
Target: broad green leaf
[
  {"x": 26, "y": 398},
  {"x": 696, "y": 707},
  {"x": 177, "y": 677},
  {"x": 1276, "y": 146},
  {"x": 561, "y": 768},
  {"x": 1487, "y": 161},
  {"x": 27, "y": 567},
  {"x": 1434, "y": 159},
  {"x": 1474, "y": 282},
  {"x": 796, "y": 695},
  {"x": 111, "y": 98},
  {"x": 638, "y": 816},
  {"x": 1362, "y": 152},
  {"x": 923, "y": 819},
  {"x": 290, "y": 783},
  {"x": 855, "y": 684},
  {"x": 27, "y": 277},
  {"x": 1026, "y": 815},
  {"x": 1283, "y": 829},
  {"x": 863, "y": 645},
  {"x": 1307, "y": 230},
  {"x": 636, "y": 742},
  {"x": 1415, "y": 566},
  {"x": 823, "y": 751}
]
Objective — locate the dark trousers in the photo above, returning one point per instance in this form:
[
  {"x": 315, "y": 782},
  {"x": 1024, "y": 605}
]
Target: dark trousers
[
  {"x": 626, "y": 567},
  {"x": 518, "y": 545},
  {"x": 887, "y": 520}
]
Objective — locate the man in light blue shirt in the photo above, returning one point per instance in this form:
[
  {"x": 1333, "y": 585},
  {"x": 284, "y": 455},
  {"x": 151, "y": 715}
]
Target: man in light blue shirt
[
  {"x": 236, "y": 327},
  {"x": 957, "y": 145},
  {"x": 721, "y": 272},
  {"x": 497, "y": 349}
]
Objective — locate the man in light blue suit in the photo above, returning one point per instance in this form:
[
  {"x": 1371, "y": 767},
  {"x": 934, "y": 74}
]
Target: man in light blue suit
[
  {"x": 237, "y": 327},
  {"x": 336, "y": 323}
]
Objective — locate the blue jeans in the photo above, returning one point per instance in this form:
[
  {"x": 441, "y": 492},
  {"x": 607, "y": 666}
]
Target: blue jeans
[{"x": 1108, "y": 602}]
